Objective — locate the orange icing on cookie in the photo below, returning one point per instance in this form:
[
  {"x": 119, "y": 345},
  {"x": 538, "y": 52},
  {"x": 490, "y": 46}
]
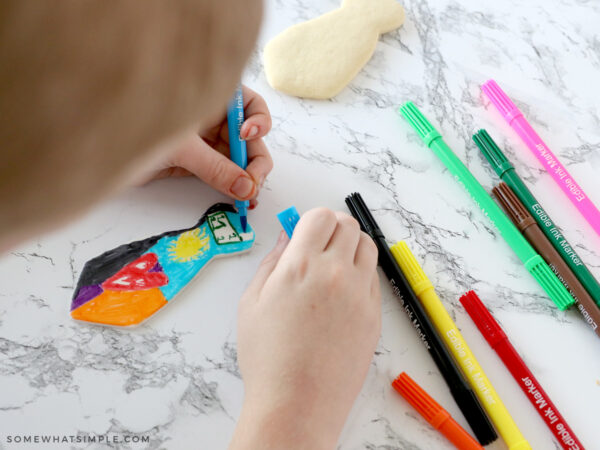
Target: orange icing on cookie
[{"x": 121, "y": 308}]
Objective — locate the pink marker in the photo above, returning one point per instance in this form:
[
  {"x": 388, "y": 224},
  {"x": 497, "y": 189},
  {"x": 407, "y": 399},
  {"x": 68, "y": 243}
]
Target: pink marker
[{"x": 561, "y": 176}]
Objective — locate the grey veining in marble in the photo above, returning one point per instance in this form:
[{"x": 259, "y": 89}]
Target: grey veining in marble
[{"x": 175, "y": 379}]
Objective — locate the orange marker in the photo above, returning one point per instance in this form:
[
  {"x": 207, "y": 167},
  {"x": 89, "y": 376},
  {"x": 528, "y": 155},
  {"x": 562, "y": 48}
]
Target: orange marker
[{"x": 433, "y": 413}]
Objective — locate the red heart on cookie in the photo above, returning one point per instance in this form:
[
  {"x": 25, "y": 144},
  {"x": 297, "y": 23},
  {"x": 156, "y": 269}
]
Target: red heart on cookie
[{"x": 137, "y": 275}]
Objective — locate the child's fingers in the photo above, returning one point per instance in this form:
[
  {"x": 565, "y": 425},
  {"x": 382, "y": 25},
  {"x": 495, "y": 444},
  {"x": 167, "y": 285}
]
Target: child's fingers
[
  {"x": 260, "y": 162},
  {"x": 375, "y": 287},
  {"x": 366, "y": 254},
  {"x": 267, "y": 266},
  {"x": 314, "y": 230},
  {"x": 216, "y": 170},
  {"x": 258, "y": 117},
  {"x": 345, "y": 238},
  {"x": 255, "y": 127}
]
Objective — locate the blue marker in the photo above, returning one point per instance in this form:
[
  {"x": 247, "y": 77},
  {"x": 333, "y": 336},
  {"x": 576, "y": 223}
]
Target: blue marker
[{"x": 237, "y": 146}]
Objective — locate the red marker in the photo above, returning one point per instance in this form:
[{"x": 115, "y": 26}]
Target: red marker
[
  {"x": 537, "y": 396},
  {"x": 433, "y": 413}
]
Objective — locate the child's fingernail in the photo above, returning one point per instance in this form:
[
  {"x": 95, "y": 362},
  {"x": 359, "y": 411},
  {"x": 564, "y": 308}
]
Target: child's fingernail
[
  {"x": 282, "y": 237},
  {"x": 243, "y": 186},
  {"x": 253, "y": 203},
  {"x": 253, "y": 132}
]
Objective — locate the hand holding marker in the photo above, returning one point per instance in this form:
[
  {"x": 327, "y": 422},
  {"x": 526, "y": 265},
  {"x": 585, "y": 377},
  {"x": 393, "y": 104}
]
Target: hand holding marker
[
  {"x": 461, "y": 392},
  {"x": 426, "y": 406},
  {"x": 532, "y": 261},
  {"x": 514, "y": 117}
]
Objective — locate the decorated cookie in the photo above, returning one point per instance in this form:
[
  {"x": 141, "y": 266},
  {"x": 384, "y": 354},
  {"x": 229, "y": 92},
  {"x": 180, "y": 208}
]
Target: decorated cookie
[
  {"x": 318, "y": 58},
  {"x": 126, "y": 285}
]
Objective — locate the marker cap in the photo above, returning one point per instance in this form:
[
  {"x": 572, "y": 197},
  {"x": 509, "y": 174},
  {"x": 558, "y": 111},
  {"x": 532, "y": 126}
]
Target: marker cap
[
  {"x": 289, "y": 219},
  {"x": 513, "y": 207},
  {"x": 411, "y": 268},
  {"x": 542, "y": 273},
  {"x": 362, "y": 214},
  {"x": 419, "y": 122},
  {"x": 492, "y": 152},
  {"x": 433, "y": 413},
  {"x": 485, "y": 322},
  {"x": 501, "y": 101}
]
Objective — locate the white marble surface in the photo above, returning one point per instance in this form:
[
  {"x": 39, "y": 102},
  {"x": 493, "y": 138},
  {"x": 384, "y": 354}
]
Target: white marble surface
[{"x": 175, "y": 379}]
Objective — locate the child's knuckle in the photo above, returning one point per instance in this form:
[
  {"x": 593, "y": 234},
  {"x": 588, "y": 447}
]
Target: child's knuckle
[
  {"x": 217, "y": 171},
  {"x": 337, "y": 276},
  {"x": 348, "y": 221}
]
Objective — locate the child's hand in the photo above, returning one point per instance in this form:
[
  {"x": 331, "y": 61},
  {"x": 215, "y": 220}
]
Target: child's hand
[
  {"x": 207, "y": 155},
  {"x": 308, "y": 326}
]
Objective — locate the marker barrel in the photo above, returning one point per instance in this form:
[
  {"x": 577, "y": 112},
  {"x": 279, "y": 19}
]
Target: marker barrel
[
  {"x": 498, "y": 340},
  {"x": 557, "y": 171},
  {"x": 518, "y": 213},
  {"x": 533, "y": 262},
  {"x": 554, "y": 235},
  {"x": 514, "y": 117},
  {"x": 461, "y": 392},
  {"x": 506, "y": 171},
  {"x": 490, "y": 400},
  {"x": 454, "y": 434},
  {"x": 237, "y": 146}
]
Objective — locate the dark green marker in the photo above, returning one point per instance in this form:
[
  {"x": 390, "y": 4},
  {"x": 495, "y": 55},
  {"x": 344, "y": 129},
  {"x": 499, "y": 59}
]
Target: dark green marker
[{"x": 506, "y": 171}]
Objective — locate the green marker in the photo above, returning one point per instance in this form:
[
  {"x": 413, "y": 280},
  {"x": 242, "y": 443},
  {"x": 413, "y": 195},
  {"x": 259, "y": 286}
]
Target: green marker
[
  {"x": 506, "y": 171},
  {"x": 532, "y": 261}
]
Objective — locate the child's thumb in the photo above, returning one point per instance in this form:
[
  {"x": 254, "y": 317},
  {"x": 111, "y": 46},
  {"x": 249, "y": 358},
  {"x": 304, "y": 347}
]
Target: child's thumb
[{"x": 268, "y": 264}]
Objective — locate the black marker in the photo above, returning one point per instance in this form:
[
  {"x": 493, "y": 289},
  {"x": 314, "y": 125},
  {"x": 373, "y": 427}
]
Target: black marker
[{"x": 459, "y": 388}]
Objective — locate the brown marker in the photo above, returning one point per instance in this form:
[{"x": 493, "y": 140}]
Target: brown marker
[{"x": 532, "y": 232}]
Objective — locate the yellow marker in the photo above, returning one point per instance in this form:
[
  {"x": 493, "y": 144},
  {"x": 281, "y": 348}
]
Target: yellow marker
[{"x": 454, "y": 341}]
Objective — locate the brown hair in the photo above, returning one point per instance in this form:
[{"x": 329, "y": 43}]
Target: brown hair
[{"x": 89, "y": 88}]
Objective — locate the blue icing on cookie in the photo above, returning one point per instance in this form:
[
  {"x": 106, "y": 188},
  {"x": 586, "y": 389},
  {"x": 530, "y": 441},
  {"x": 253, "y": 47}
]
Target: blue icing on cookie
[{"x": 184, "y": 255}]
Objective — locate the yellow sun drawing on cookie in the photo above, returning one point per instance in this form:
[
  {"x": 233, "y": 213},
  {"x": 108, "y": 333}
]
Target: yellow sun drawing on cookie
[{"x": 189, "y": 246}]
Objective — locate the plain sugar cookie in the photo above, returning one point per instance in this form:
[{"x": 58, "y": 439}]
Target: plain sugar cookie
[{"x": 318, "y": 58}]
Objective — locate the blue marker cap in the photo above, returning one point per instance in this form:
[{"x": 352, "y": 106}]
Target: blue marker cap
[{"x": 289, "y": 218}]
